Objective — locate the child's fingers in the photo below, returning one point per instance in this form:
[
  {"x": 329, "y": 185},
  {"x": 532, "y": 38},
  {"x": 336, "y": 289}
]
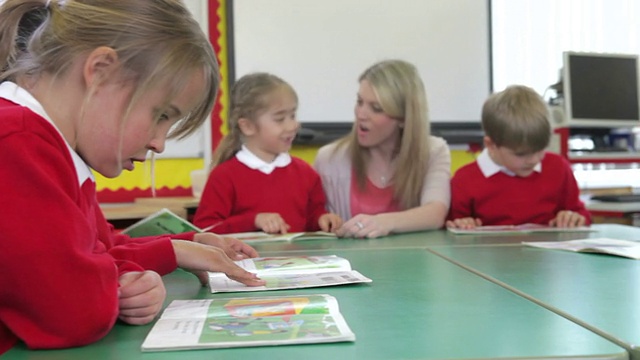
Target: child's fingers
[
  {"x": 141, "y": 297},
  {"x": 245, "y": 277}
]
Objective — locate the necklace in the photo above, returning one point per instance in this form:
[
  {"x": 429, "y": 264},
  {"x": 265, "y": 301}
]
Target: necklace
[{"x": 381, "y": 172}]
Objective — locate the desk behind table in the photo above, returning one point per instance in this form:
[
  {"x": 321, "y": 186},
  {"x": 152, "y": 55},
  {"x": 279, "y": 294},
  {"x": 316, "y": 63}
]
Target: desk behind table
[
  {"x": 189, "y": 204},
  {"x": 418, "y": 306},
  {"x": 123, "y": 215},
  {"x": 626, "y": 213}
]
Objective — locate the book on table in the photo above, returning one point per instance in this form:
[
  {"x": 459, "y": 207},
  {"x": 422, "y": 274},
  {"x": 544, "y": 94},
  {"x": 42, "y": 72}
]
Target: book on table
[
  {"x": 250, "y": 321},
  {"x": 258, "y": 236},
  {"x": 516, "y": 229},
  {"x": 161, "y": 222},
  {"x": 290, "y": 272},
  {"x": 623, "y": 248},
  {"x": 165, "y": 221}
]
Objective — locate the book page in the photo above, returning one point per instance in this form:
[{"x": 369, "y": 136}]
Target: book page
[
  {"x": 160, "y": 223},
  {"x": 294, "y": 264},
  {"x": 289, "y": 281},
  {"x": 623, "y": 248},
  {"x": 516, "y": 229},
  {"x": 240, "y": 322},
  {"x": 258, "y": 236},
  {"x": 290, "y": 272}
]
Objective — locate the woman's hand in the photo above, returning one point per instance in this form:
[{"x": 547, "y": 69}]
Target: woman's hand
[{"x": 366, "y": 226}]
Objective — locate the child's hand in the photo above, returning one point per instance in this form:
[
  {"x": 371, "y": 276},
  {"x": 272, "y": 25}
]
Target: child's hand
[
  {"x": 234, "y": 248},
  {"x": 140, "y": 296},
  {"x": 329, "y": 222},
  {"x": 464, "y": 223},
  {"x": 271, "y": 223},
  {"x": 199, "y": 258},
  {"x": 568, "y": 219}
]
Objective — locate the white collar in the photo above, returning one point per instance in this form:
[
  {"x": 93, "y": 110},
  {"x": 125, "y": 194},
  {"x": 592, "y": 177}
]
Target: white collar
[
  {"x": 490, "y": 168},
  {"x": 12, "y": 92},
  {"x": 248, "y": 158}
]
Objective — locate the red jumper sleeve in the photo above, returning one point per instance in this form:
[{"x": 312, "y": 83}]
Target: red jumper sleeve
[{"x": 58, "y": 286}]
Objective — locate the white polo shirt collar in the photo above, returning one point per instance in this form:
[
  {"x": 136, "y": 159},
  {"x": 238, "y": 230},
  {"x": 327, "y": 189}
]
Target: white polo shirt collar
[
  {"x": 490, "y": 168},
  {"x": 248, "y": 158}
]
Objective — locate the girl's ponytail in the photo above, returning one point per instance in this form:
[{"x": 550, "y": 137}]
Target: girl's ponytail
[{"x": 19, "y": 19}]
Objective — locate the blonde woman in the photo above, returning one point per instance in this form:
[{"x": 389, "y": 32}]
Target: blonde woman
[{"x": 388, "y": 175}]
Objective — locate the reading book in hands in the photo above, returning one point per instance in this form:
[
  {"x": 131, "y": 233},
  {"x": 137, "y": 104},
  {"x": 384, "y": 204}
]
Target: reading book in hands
[
  {"x": 259, "y": 236},
  {"x": 290, "y": 272},
  {"x": 516, "y": 229},
  {"x": 242, "y": 322},
  {"x": 159, "y": 223},
  {"x": 624, "y": 248}
]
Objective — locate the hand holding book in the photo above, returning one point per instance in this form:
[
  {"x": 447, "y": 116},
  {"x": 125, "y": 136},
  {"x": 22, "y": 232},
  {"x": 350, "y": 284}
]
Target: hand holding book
[
  {"x": 234, "y": 248},
  {"x": 291, "y": 272},
  {"x": 200, "y": 259}
]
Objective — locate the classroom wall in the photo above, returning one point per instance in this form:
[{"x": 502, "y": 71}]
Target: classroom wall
[
  {"x": 322, "y": 47},
  {"x": 459, "y": 156},
  {"x": 173, "y": 176},
  {"x": 172, "y": 170}
]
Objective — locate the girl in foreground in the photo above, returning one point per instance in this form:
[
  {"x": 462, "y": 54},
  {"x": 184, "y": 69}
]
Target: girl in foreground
[{"x": 90, "y": 84}]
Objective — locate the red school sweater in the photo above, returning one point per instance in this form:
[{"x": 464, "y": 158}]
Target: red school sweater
[
  {"x": 511, "y": 200},
  {"x": 235, "y": 194},
  {"x": 59, "y": 258}
]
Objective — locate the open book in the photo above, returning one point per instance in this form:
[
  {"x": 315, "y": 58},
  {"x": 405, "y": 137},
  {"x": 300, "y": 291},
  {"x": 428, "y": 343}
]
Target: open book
[
  {"x": 258, "y": 236},
  {"x": 242, "y": 322},
  {"x": 159, "y": 223},
  {"x": 290, "y": 272},
  {"x": 624, "y": 248},
  {"x": 516, "y": 229}
]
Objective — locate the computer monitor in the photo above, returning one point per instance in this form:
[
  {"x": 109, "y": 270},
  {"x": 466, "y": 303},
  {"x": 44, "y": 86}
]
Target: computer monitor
[{"x": 600, "y": 90}]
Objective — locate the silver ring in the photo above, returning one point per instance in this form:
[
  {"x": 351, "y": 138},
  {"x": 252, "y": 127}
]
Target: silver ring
[{"x": 359, "y": 225}]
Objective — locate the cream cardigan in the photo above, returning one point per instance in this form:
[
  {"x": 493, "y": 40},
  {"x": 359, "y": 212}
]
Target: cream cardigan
[{"x": 334, "y": 168}]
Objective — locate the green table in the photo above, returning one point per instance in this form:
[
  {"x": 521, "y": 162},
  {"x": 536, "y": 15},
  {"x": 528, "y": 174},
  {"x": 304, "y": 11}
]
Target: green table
[
  {"x": 419, "y": 306},
  {"x": 599, "y": 292},
  {"x": 438, "y": 238}
]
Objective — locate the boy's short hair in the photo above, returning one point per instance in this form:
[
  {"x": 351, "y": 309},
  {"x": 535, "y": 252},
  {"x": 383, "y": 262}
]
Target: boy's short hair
[{"x": 517, "y": 118}]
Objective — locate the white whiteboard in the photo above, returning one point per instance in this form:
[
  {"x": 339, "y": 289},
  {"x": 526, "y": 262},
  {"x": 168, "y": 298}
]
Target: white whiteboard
[
  {"x": 194, "y": 145},
  {"x": 322, "y": 47}
]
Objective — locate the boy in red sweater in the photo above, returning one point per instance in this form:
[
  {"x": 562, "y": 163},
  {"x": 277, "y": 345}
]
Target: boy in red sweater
[{"x": 514, "y": 180}]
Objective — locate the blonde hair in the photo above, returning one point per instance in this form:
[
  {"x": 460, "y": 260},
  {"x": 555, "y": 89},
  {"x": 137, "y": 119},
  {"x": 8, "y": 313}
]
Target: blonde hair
[
  {"x": 249, "y": 98},
  {"x": 517, "y": 118},
  {"x": 158, "y": 43},
  {"x": 400, "y": 91}
]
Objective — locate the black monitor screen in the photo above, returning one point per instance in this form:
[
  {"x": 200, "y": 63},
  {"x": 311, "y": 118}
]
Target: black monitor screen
[{"x": 603, "y": 87}]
